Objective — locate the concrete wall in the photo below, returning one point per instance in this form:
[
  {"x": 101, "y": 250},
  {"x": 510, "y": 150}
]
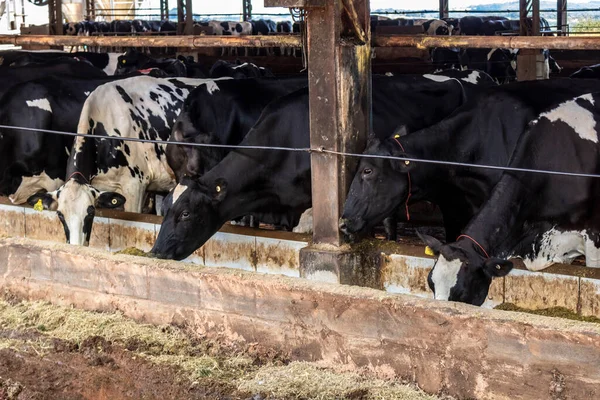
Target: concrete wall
[
  {"x": 572, "y": 287},
  {"x": 450, "y": 348}
]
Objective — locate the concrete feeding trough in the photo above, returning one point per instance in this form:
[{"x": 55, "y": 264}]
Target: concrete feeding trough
[
  {"x": 395, "y": 268},
  {"x": 450, "y": 348}
]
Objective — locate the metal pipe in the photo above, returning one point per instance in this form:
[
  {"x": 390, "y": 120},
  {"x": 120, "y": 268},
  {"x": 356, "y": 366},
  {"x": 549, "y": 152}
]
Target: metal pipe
[
  {"x": 154, "y": 41},
  {"x": 421, "y": 42}
]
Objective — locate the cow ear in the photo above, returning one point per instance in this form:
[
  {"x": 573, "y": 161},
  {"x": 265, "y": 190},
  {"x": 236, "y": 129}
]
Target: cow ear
[
  {"x": 431, "y": 242},
  {"x": 220, "y": 190},
  {"x": 400, "y": 131},
  {"x": 497, "y": 267},
  {"x": 48, "y": 200},
  {"x": 110, "y": 200}
]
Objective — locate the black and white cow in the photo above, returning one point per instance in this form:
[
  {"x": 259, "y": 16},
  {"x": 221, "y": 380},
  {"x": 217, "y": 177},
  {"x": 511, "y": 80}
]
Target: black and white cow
[
  {"x": 238, "y": 70},
  {"x": 437, "y": 27},
  {"x": 32, "y": 161},
  {"x": 134, "y": 60},
  {"x": 114, "y": 171},
  {"x": 276, "y": 185},
  {"x": 484, "y": 131},
  {"x": 543, "y": 219}
]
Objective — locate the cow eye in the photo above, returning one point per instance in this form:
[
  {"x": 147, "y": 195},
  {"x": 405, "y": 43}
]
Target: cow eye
[
  {"x": 184, "y": 216},
  {"x": 367, "y": 171}
]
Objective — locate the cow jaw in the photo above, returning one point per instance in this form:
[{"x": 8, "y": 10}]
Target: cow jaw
[{"x": 445, "y": 276}]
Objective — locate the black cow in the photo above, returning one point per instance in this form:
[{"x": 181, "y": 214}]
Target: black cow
[
  {"x": 11, "y": 76},
  {"x": 263, "y": 26},
  {"x": 589, "y": 72},
  {"x": 238, "y": 70},
  {"x": 193, "y": 69},
  {"x": 104, "y": 61},
  {"x": 168, "y": 26},
  {"x": 276, "y": 185},
  {"x": 540, "y": 218},
  {"x": 140, "y": 26},
  {"x": 222, "y": 114},
  {"x": 484, "y": 131},
  {"x": 134, "y": 60}
]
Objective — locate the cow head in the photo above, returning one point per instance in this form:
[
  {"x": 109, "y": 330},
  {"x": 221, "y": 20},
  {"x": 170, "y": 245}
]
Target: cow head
[
  {"x": 461, "y": 273},
  {"x": 192, "y": 218},
  {"x": 378, "y": 188},
  {"x": 75, "y": 204}
]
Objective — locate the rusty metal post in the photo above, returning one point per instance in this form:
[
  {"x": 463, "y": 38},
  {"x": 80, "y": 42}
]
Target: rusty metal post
[
  {"x": 340, "y": 94},
  {"x": 444, "y": 9},
  {"x": 561, "y": 17},
  {"x": 164, "y": 9},
  {"x": 180, "y": 16},
  {"x": 55, "y": 23},
  {"x": 59, "y": 17},
  {"x": 339, "y": 76},
  {"x": 189, "y": 18},
  {"x": 247, "y": 10},
  {"x": 527, "y": 60},
  {"x": 90, "y": 8}
]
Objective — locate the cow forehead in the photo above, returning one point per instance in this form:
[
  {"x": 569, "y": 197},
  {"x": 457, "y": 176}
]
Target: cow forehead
[
  {"x": 178, "y": 191},
  {"x": 74, "y": 195},
  {"x": 445, "y": 276},
  {"x": 580, "y": 119}
]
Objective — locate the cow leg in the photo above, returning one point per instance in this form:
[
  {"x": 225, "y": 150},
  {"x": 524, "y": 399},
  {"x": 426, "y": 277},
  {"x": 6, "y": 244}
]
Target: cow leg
[
  {"x": 390, "y": 224},
  {"x": 134, "y": 192},
  {"x": 159, "y": 202}
]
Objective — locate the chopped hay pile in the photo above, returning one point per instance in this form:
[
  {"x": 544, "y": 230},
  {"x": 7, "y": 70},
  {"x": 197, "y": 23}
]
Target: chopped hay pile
[
  {"x": 304, "y": 380},
  {"x": 197, "y": 361},
  {"x": 134, "y": 251}
]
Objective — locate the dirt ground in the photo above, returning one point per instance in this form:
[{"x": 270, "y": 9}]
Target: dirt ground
[{"x": 50, "y": 352}]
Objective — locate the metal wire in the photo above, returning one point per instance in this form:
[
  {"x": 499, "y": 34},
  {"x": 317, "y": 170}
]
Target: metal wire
[{"x": 309, "y": 150}]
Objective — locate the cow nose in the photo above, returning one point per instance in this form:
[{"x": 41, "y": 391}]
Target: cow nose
[{"x": 343, "y": 225}]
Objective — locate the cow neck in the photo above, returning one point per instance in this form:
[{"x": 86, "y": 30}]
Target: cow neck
[
  {"x": 396, "y": 139},
  {"x": 498, "y": 225},
  {"x": 241, "y": 198},
  {"x": 82, "y": 163},
  {"x": 433, "y": 143}
]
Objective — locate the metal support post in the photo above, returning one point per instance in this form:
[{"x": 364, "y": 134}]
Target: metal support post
[
  {"x": 247, "y": 10},
  {"x": 444, "y": 9},
  {"x": 561, "y": 17}
]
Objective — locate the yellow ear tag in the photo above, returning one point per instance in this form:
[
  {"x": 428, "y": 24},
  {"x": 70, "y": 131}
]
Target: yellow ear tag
[
  {"x": 123, "y": 61},
  {"x": 428, "y": 251},
  {"x": 218, "y": 189},
  {"x": 114, "y": 202},
  {"x": 39, "y": 206},
  {"x": 396, "y": 136},
  {"x": 406, "y": 162}
]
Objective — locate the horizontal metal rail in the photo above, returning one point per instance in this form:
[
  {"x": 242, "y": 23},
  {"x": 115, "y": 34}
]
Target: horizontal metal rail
[
  {"x": 488, "y": 12},
  {"x": 163, "y": 41},
  {"x": 421, "y": 42},
  {"x": 486, "y": 42}
]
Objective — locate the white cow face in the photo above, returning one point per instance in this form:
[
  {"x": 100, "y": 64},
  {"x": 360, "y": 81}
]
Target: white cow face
[{"x": 75, "y": 204}]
